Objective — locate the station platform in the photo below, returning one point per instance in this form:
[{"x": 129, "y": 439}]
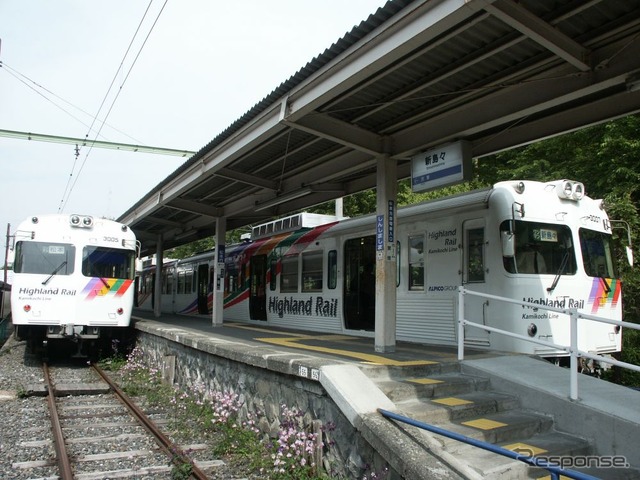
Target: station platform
[
  {"x": 498, "y": 390},
  {"x": 337, "y": 347}
]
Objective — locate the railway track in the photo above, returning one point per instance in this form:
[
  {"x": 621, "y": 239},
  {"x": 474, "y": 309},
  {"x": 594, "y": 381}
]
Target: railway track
[{"x": 98, "y": 432}]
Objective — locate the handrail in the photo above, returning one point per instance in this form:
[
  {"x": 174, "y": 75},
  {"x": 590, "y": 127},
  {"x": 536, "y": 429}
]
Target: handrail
[
  {"x": 531, "y": 460},
  {"x": 571, "y": 349}
]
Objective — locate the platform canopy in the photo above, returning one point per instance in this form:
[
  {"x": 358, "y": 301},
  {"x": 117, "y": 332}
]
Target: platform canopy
[{"x": 412, "y": 76}]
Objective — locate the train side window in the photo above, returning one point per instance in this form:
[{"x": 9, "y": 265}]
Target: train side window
[
  {"x": 312, "y": 271},
  {"x": 289, "y": 275},
  {"x": 416, "y": 262},
  {"x": 332, "y": 269},
  {"x": 273, "y": 273},
  {"x": 181, "y": 282},
  {"x": 169, "y": 282},
  {"x": 475, "y": 254}
]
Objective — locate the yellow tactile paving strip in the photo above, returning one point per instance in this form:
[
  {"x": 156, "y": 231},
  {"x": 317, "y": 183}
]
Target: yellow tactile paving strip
[
  {"x": 484, "y": 424},
  {"x": 452, "y": 401},
  {"x": 293, "y": 340},
  {"x": 424, "y": 381}
]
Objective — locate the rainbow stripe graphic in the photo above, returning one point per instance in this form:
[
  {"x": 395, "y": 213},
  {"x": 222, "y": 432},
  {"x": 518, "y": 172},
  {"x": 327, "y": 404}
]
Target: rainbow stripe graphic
[
  {"x": 604, "y": 291},
  {"x": 102, "y": 287}
]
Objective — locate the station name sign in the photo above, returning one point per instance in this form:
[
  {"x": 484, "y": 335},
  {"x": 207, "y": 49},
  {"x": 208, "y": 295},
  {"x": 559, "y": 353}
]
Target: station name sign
[{"x": 439, "y": 167}]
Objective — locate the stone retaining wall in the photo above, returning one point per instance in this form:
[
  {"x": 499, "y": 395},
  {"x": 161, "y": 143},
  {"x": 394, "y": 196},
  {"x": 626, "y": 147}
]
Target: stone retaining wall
[{"x": 263, "y": 392}]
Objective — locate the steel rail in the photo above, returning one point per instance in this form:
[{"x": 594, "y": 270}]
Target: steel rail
[
  {"x": 64, "y": 465},
  {"x": 174, "y": 452}
]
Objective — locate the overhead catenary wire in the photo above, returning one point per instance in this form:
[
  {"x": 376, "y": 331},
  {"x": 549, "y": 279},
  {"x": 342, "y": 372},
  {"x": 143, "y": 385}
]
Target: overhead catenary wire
[
  {"x": 39, "y": 89},
  {"x": 70, "y": 187}
]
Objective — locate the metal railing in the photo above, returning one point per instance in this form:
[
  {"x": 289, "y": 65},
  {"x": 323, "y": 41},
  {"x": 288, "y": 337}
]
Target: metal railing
[
  {"x": 571, "y": 349},
  {"x": 552, "y": 468}
]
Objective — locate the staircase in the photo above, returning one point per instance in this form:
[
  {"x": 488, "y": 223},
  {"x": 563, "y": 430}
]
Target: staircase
[{"x": 442, "y": 396}]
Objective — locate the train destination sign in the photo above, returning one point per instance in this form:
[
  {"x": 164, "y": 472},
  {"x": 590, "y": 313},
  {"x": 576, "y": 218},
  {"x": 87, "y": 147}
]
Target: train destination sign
[{"x": 441, "y": 166}]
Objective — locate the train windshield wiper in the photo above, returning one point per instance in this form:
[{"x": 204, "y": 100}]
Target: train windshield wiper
[
  {"x": 563, "y": 265},
  {"x": 60, "y": 267}
]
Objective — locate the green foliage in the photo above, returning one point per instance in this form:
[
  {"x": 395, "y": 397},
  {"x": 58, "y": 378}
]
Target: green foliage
[
  {"x": 181, "y": 471},
  {"x": 289, "y": 456},
  {"x": 189, "y": 249}
]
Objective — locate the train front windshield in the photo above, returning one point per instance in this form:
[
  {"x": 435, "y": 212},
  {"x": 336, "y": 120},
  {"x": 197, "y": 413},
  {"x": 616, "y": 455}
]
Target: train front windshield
[
  {"x": 596, "y": 254},
  {"x": 544, "y": 248},
  {"x": 44, "y": 258},
  {"x": 541, "y": 249},
  {"x": 108, "y": 262}
]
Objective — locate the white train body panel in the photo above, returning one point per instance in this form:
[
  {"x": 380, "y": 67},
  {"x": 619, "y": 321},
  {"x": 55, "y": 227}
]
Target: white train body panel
[
  {"x": 312, "y": 279},
  {"x": 69, "y": 277}
]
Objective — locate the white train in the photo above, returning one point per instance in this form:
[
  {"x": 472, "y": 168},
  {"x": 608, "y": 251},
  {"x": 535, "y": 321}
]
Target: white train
[
  {"x": 73, "y": 279},
  {"x": 545, "y": 243}
]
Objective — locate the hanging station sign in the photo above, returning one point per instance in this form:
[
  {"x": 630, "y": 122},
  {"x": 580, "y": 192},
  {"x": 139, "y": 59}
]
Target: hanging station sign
[{"x": 441, "y": 166}]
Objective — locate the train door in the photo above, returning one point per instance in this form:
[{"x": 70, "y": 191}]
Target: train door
[
  {"x": 359, "y": 283},
  {"x": 257, "y": 287},
  {"x": 203, "y": 289},
  {"x": 474, "y": 273}
]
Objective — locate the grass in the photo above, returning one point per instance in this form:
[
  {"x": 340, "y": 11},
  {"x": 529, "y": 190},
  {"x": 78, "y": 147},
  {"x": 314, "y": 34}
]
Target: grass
[{"x": 214, "y": 415}]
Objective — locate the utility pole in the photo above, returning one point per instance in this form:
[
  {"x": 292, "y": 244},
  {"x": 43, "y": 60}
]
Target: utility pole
[{"x": 6, "y": 266}]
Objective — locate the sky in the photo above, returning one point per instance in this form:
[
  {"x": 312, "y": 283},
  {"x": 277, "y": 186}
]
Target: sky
[{"x": 77, "y": 68}]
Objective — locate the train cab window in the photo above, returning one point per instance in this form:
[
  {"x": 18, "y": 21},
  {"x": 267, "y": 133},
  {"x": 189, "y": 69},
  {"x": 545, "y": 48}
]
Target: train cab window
[
  {"x": 289, "y": 275},
  {"x": 108, "y": 262},
  {"x": 46, "y": 258},
  {"x": 416, "y": 262},
  {"x": 597, "y": 256},
  {"x": 332, "y": 269},
  {"x": 312, "y": 271},
  {"x": 540, "y": 248}
]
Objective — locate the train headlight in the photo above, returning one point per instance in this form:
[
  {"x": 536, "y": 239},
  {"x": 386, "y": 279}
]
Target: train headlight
[
  {"x": 570, "y": 190},
  {"x": 578, "y": 191},
  {"x": 81, "y": 221},
  {"x": 532, "y": 329}
]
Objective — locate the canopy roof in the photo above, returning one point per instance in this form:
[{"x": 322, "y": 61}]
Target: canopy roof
[{"x": 412, "y": 76}]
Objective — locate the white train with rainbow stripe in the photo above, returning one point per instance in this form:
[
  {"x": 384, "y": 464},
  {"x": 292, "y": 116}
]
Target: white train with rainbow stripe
[
  {"x": 73, "y": 279},
  {"x": 540, "y": 242}
]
